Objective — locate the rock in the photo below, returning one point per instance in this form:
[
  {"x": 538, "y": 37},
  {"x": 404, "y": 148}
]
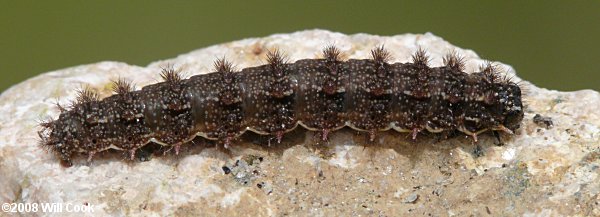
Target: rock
[
  {"x": 412, "y": 198},
  {"x": 538, "y": 171}
]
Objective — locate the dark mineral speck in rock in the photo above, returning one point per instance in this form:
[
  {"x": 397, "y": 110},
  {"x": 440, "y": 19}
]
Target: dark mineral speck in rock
[
  {"x": 543, "y": 121},
  {"x": 226, "y": 170},
  {"x": 478, "y": 151},
  {"x": 266, "y": 187}
]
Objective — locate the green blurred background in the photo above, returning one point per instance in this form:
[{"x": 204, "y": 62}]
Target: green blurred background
[{"x": 553, "y": 44}]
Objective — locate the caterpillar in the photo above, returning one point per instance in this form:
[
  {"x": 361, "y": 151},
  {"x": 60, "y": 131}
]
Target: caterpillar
[{"x": 323, "y": 94}]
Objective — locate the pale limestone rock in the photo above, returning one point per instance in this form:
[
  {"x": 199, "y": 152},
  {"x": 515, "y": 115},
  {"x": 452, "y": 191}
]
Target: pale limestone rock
[{"x": 539, "y": 172}]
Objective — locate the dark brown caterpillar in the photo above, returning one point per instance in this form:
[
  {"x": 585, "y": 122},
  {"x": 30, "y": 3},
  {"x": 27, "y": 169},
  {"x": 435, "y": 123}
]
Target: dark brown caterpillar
[{"x": 323, "y": 95}]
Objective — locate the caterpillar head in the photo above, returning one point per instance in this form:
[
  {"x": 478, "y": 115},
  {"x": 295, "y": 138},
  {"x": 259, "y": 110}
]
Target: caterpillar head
[{"x": 512, "y": 105}]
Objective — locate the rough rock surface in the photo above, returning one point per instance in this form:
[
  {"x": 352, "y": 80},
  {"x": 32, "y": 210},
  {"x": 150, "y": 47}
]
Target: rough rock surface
[{"x": 542, "y": 171}]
